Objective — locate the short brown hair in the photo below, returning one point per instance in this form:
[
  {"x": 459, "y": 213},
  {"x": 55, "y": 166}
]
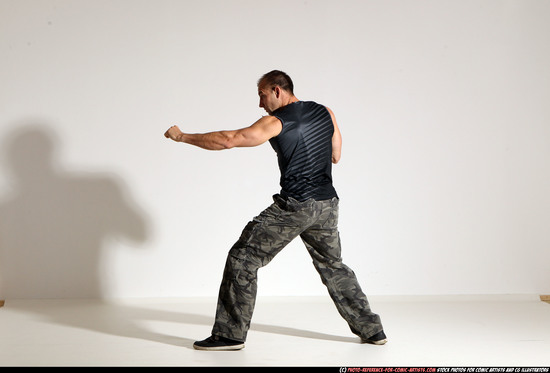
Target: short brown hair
[{"x": 277, "y": 78}]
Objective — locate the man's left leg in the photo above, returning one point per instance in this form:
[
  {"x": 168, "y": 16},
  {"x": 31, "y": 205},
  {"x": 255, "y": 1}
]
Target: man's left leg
[{"x": 262, "y": 238}]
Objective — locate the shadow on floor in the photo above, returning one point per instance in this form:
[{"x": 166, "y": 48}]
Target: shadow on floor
[{"x": 130, "y": 321}]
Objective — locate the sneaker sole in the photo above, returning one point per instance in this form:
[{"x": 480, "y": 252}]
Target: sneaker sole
[
  {"x": 378, "y": 343},
  {"x": 220, "y": 348}
]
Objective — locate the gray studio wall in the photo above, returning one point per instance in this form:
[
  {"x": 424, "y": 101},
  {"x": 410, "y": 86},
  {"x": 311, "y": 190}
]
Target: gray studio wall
[{"x": 443, "y": 108}]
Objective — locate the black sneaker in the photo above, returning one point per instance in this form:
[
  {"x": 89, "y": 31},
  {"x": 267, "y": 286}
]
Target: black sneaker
[
  {"x": 377, "y": 339},
  {"x": 216, "y": 343}
]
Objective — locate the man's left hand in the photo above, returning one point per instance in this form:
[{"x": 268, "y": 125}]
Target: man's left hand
[{"x": 173, "y": 133}]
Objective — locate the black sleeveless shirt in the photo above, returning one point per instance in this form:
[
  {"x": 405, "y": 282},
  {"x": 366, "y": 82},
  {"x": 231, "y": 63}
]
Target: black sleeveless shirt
[{"x": 304, "y": 151}]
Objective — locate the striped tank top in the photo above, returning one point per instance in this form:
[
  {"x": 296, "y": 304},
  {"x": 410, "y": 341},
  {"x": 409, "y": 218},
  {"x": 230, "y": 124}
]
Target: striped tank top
[{"x": 304, "y": 151}]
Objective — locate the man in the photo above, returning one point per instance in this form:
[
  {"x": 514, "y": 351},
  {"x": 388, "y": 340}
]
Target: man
[{"x": 307, "y": 141}]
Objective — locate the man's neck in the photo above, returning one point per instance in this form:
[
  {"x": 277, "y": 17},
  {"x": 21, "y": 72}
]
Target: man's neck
[{"x": 290, "y": 100}]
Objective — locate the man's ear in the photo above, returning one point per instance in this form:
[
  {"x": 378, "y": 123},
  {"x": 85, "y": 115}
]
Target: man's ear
[{"x": 277, "y": 90}]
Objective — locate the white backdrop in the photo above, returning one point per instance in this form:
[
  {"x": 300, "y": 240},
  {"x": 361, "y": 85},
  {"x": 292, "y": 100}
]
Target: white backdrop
[{"x": 443, "y": 106}]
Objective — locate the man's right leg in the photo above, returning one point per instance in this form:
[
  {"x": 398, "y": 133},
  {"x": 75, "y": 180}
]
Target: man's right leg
[
  {"x": 322, "y": 241},
  {"x": 262, "y": 238}
]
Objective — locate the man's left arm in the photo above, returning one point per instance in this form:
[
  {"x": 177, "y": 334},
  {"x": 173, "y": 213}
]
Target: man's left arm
[{"x": 258, "y": 133}]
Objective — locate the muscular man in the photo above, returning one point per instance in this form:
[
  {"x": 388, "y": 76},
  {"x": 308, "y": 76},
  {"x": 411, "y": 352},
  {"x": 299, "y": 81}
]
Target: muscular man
[{"x": 307, "y": 141}]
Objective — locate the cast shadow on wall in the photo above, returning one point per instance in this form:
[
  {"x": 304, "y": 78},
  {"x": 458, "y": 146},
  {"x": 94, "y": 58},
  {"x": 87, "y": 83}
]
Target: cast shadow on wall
[{"x": 54, "y": 223}]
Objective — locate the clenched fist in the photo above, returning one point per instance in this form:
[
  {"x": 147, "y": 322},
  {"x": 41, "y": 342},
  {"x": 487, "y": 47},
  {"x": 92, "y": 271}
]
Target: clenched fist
[{"x": 173, "y": 133}]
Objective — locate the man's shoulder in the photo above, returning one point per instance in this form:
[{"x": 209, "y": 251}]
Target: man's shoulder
[
  {"x": 302, "y": 105},
  {"x": 298, "y": 109},
  {"x": 312, "y": 105}
]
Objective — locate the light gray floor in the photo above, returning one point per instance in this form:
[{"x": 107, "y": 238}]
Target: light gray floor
[{"x": 301, "y": 331}]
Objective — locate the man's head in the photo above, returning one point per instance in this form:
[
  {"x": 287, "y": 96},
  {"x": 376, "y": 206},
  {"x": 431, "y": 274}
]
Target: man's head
[{"x": 275, "y": 90}]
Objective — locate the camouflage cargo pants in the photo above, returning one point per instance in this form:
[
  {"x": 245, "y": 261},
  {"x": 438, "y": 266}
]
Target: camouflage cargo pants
[{"x": 316, "y": 223}]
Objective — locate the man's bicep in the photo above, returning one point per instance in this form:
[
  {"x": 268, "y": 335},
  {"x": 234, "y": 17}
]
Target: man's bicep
[{"x": 259, "y": 132}]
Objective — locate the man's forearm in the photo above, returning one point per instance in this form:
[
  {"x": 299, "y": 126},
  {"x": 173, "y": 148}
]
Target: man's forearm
[{"x": 209, "y": 141}]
